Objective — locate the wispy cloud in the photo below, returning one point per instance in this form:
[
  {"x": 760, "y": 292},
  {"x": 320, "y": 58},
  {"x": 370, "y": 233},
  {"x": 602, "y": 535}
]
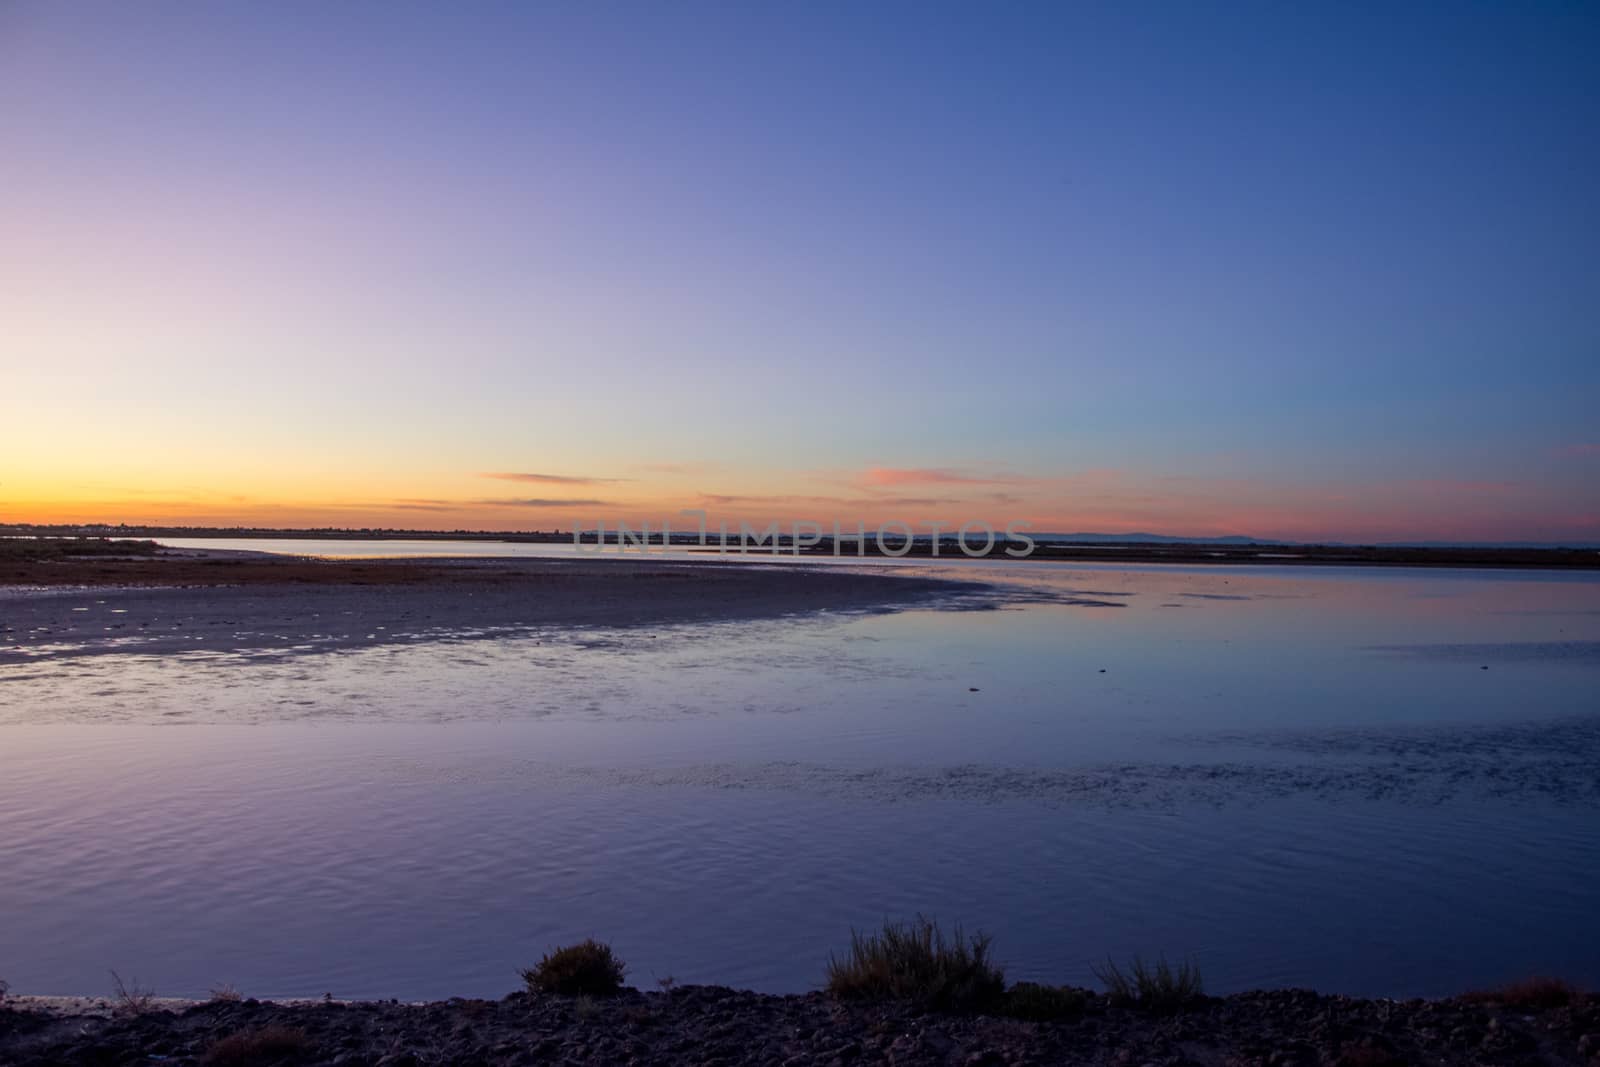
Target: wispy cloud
[
  {"x": 1579, "y": 450},
  {"x": 1455, "y": 487},
  {"x": 676, "y": 468},
  {"x": 543, "y": 502},
  {"x": 931, "y": 476},
  {"x": 412, "y": 504},
  {"x": 803, "y": 500},
  {"x": 904, "y": 502},
  {"x": 549, "y": 479},
  {"x": 724, "y": 499}
]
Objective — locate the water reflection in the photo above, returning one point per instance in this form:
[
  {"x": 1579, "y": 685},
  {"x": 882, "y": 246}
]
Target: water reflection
[{"x": 1298, "y": 777}]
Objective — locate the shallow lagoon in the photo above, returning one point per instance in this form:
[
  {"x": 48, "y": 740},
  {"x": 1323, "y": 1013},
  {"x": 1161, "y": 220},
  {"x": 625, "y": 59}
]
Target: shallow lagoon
[{"x": 1295, "y": 776}]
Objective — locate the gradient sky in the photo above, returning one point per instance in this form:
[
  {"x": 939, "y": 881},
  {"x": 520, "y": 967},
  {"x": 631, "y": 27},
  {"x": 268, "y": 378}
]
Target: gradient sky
[{"x": 1312, "y": 271}]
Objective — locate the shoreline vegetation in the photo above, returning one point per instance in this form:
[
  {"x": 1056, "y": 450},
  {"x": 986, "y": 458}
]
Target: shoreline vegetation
[
  {"x": 1216, "y": 552},
  {"x": 905, "y": 994}
]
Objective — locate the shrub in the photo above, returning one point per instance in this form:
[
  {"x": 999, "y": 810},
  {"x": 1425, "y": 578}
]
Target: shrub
[
  {"x": 268, "y": 1044},
  {"x": 1530, "y": 994},
  {"x": 588, "y": 967},
  {"x": 1041, "y": 1003},
  {"x": 1160, "y": 990},
  {"x": 36, "y": 549},
  {"x": 913, "y": 961},
  {"x": 131, "y": 998}
]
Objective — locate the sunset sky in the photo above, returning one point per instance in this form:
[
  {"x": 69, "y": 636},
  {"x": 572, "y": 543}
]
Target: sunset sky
[{"x": 1286, "y": 270}]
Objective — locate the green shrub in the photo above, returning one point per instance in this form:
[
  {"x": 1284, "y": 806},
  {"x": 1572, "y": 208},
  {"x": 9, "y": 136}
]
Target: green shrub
[
  {"x": 1160, "y": 990},
  {"x": 1041, "y": 1003},
  {"x": 913, "y": 961},
  {"x": 588, "y": 967}
]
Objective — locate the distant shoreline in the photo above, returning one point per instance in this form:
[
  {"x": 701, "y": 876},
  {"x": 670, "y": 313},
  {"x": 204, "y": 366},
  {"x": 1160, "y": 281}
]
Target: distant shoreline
[
  {"x": 160, "y": 601},
  {"x": 1263, "y": 555},
  {"x": 1187, "y": 553}
]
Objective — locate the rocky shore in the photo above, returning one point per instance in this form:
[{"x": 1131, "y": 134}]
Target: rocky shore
[{"x": 716, "y": 1026}]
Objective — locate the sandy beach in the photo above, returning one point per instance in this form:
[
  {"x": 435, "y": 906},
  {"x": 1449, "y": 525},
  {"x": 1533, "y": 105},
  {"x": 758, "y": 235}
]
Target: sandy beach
[{"x": 168, "y": 601}]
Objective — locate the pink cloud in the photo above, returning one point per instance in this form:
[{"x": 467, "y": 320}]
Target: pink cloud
[
  {"x": 930, "y": 476},
  {"x": 543, "y": 502},
  {"x": 804, "y": 500},
  {"x": 675, "y": 468},
  {"x": 733, "y": 498},
  {"x": 549, "y": 479},
  {"x": 1578, "y": 451},
  {"x": 1456, "y": 487}
]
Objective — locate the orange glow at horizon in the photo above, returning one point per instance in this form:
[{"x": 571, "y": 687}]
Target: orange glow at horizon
[{"x": 1098, "y": 502}]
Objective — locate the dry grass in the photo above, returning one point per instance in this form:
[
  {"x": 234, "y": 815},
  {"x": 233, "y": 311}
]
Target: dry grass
[
  {"x": 131, "y": 998},
  {"x": 641, "y": 1015},
  {"x": 587, "y": 968},
  {"x": 1159, "y": 990},
  {"x": 1531, "y": 994},
  {"x": 913, "y": 961},
  {"x": 1369, "y": 1054},
  {"x": 226, "y": 994},
  {"x": 265, "y": 1045},
  {"x": 1041, "y": 1003}
]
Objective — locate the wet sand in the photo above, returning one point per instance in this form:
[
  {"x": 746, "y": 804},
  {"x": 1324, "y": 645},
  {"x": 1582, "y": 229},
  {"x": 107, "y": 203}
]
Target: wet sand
[{"x": 247, "y": 602}]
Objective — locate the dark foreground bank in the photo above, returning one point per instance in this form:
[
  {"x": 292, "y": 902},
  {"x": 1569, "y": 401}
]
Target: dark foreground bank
[
  {"x": 166, "y": 603},
  {"x": 711, "y": 1025}
]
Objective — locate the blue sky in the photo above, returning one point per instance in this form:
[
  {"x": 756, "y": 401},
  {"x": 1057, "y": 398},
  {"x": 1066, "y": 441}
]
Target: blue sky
[{"x": 1331, "y": 267}]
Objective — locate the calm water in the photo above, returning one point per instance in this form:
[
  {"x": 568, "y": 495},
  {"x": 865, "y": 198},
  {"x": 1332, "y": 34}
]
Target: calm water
[{"x": 1293, "y": 776}]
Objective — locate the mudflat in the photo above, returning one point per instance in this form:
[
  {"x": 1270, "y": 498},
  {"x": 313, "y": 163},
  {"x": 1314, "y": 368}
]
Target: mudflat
[{"x": 243, "y": 602}]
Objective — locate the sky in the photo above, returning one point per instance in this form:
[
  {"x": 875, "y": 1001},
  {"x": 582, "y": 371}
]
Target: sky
[{"x": 1311, "y": 271}]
